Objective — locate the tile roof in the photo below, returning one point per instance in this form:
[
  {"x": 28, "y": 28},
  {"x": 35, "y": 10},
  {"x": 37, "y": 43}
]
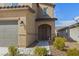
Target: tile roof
[{"x": 18, "y": 6}]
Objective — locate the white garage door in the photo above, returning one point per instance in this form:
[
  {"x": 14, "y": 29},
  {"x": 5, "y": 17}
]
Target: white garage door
[{"x": 8, "y": 33}]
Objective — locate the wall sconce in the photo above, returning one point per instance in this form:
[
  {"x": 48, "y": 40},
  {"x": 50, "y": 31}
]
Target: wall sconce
[{"x": 21, "y": 23}]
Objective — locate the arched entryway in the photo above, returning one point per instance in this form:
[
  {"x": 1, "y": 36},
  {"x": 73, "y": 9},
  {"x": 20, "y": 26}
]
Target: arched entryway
[{"x": 44, "y": 32}]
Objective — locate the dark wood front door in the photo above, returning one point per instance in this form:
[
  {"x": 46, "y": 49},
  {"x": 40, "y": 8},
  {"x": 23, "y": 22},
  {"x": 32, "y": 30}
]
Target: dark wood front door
[{"x": 44, "y": 32}]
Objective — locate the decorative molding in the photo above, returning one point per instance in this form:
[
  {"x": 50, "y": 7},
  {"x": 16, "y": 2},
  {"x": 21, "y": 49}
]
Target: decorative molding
[
  {"x": 43, "y": 19},
  {"x": 10, "y": 18}
]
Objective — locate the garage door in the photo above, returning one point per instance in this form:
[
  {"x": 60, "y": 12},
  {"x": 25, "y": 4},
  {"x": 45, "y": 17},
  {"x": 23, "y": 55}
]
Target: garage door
[{"x": 8, "y": 33}]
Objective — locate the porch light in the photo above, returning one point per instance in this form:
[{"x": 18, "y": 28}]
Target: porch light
[{"x": 21, "y": 23}]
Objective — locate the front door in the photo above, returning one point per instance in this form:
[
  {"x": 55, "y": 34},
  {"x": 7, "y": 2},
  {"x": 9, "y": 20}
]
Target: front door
[{"x": 44, "y": 32}]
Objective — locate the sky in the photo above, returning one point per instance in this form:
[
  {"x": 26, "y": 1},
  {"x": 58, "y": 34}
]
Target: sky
[{"x": 65, "y": 13}]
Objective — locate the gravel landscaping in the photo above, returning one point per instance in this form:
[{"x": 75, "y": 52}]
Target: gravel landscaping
[
  {"x": 56, "y": 52},
  {"x": 45, "y": 44}
]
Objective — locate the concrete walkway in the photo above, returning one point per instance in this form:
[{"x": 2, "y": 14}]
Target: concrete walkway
[{"x": 44, "y": 44}]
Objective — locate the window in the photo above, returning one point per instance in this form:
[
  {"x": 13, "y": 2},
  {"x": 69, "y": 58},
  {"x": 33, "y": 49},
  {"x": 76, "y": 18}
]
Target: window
[{"x": 45, "y": 11}]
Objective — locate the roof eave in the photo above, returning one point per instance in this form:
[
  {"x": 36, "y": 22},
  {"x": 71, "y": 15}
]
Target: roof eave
[
  {"x": 43, "y": 19},
  {"x": 17, "y": 8}
]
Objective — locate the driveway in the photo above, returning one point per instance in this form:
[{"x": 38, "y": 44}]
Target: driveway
[{"x": 3, "y": 51}]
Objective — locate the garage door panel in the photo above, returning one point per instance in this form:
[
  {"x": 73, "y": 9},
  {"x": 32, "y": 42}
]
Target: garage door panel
[
  {"x": 1, "y": 32},
  {"x": 8, "y": 33}
]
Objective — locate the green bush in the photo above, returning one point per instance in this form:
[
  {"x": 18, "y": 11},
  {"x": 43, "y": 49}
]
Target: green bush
[
  {"x": 72, "y": 52},
  {"x": 40, "y": 51},
  {"x": 13, "y": 51},
  {"x": 59, "y": 43}
]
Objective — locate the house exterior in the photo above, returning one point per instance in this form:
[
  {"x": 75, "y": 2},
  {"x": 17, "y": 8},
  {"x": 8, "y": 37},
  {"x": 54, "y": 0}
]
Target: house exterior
[
  {"x": 23, "y": 23},
  {"x": 70, "y": 32}
]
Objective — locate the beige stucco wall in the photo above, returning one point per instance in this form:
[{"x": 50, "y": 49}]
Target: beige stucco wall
[
  {"x": 50, "y": 11},
  {"x": 13, "y": 12},
  {"x": 30, "y": 24},
  {"x": 22, "y": 32},
  {"x": 26, "y": 30}
]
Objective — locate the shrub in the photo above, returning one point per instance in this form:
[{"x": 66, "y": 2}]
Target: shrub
[
  {"x": 72, "y": 52},
  {"x": 40, "y": 51},
  {"x": 13, "y": 51},
  {"x": 59, "y": 43}
]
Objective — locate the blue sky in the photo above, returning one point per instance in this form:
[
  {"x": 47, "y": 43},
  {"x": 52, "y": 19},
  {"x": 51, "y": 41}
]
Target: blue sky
[{"x": 65, "y": 12}]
